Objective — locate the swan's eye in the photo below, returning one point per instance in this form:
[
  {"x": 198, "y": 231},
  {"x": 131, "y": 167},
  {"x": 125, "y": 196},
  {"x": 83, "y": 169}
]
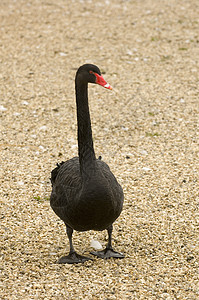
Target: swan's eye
[{"x": 91, "y": 72}]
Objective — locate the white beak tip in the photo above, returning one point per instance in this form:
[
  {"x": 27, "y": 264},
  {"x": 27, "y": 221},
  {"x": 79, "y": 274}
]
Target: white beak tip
[{"x": 108, "y": 86}]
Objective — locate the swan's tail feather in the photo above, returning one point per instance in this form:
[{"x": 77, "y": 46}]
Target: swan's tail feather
[{"x": 55, "y": 172}]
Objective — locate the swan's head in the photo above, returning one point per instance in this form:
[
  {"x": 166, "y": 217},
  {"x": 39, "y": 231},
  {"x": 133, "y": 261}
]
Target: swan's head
[{"x": 91, "y": 73}]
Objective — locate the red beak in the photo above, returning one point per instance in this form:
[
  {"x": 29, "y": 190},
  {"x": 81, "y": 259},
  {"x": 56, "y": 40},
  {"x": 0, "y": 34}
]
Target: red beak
[{"x": 100, "y": 80}]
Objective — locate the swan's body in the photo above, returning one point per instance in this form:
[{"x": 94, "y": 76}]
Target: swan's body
[
  {"x": 85, "y": 193},
  {"x": 92, "y": 205}
]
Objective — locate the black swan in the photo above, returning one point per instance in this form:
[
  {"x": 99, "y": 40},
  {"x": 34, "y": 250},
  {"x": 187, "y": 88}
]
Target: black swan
[{"x": 85, "y": 193}]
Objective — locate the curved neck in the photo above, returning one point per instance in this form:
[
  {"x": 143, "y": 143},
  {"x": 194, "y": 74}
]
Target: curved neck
[{"x": 85, "y": 140}]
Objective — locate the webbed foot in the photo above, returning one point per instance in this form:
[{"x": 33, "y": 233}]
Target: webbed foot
[
  {"x": 107, "y": 253},
  {"x": 73, "y": 258}
]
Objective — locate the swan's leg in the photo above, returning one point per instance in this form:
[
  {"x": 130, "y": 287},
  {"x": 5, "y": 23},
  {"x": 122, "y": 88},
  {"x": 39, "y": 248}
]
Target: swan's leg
[
  {"x": 72, "y": 257},
  {"x": 108, "y": 252}
]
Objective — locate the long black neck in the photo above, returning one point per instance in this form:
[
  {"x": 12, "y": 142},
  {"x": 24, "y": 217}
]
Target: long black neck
[{"x": 85, "y": 141}]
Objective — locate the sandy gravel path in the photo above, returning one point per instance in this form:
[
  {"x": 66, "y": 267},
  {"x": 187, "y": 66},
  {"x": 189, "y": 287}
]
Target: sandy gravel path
[{"x": 146, "y": 129}]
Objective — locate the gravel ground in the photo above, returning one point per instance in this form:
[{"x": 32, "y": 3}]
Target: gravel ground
[{"x": 146, "y": 129}]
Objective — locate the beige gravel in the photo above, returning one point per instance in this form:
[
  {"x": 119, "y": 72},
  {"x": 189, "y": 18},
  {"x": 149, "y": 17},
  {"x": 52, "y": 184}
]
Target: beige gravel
[{"x": 146, "y": 129}]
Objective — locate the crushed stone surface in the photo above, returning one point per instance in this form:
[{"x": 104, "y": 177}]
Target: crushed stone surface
[{"x": 146, "y": 129}]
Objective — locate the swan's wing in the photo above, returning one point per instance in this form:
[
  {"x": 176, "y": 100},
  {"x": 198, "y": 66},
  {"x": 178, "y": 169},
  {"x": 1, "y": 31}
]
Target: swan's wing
[
  {"x": 66, "y": 183},
  {"x": 113, "y": 184}
]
